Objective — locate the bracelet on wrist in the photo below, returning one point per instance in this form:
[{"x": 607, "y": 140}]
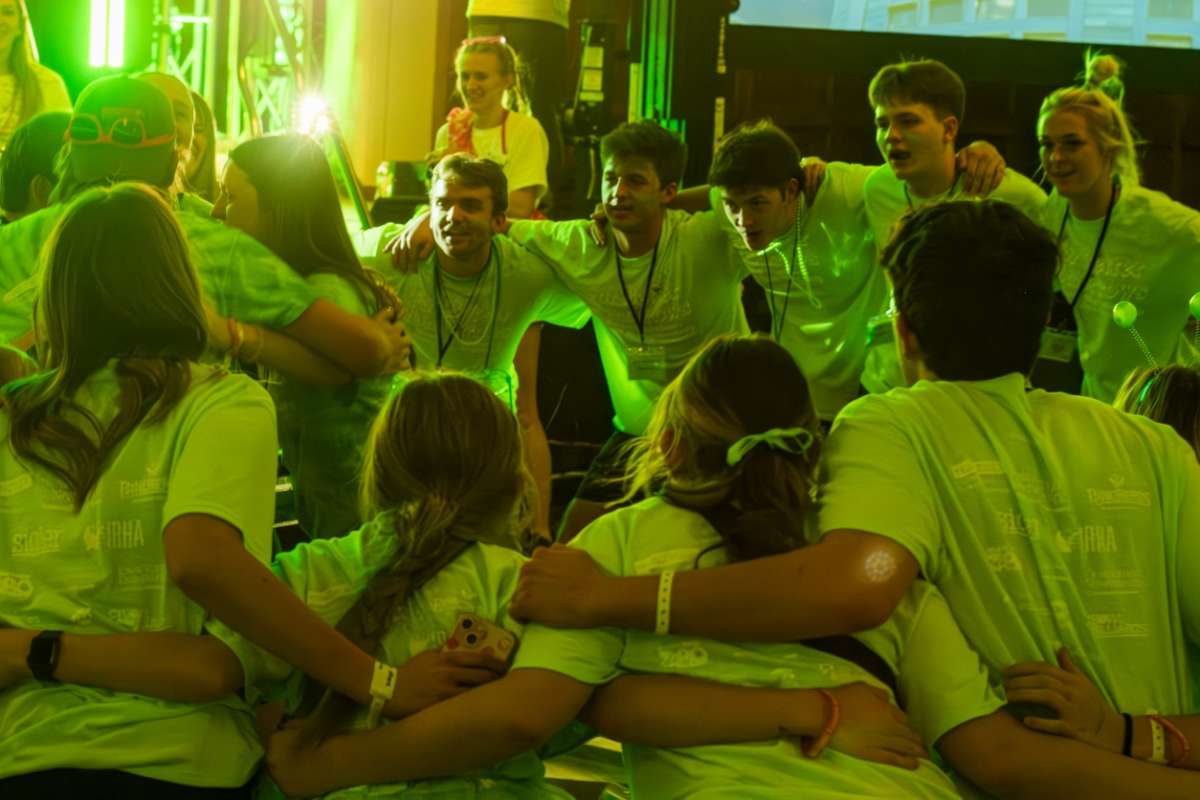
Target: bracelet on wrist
[
  {"x": 832, "y": 719},
  {"x": 383, "y": 686},
  {"x": 236, "y": 335},
  {"x": 1127, "y": 742},
  {"x": 662, "y": 610},
  {"x": 1182, "y": 747}
]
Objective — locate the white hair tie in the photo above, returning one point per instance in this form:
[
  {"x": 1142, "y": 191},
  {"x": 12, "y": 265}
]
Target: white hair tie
[{"x": 791, "y": 440}]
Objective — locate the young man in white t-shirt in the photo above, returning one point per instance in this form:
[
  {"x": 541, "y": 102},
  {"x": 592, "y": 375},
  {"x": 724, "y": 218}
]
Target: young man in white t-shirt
[
  {"x": 469, "y": 305},
  {"x": 664, "y": 284},
  {"x": 1047, "y": 521},
  {"x": 918, "y": 108}
]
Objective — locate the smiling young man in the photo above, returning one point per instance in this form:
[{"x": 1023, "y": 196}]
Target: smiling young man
[
  {"x": 468, "y": 305},
  {"x": 918, "y": 108},
  {"x": 664, "y": 283}
]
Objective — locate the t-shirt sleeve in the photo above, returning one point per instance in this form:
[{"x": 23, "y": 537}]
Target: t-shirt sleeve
[
  {"x": 873, "y": 482},
  {"x": 244, "y": 279},
  {"x": 562, "y": 245},
  {"x": 941, "y": 679},
  {"x": 1188, "y": 548},
  {"x": 526, "y": 167},
  {"x": 592, "y": 655},
  {"x": 207, "y": 477},
  {"x": 1023, "y": 193},
  {"x": 54, "y": 90}
]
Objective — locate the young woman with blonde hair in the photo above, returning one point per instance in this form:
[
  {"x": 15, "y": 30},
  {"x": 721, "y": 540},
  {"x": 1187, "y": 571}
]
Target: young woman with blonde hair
[
  {"x": 122, "y": 512},
  {"x": 280, "y": 190},
  {"x": 1104, "y": 219},
  {"x": 494, "y": 122}
]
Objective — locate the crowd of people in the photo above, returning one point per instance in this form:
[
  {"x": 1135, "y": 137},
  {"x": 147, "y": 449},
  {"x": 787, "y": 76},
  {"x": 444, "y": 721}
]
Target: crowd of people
[{"x": 929, "y": 536}]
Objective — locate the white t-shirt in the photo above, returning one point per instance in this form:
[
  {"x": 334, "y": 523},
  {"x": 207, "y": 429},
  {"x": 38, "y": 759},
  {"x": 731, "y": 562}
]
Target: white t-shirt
[
  {"x": 518, "y": 145},
  {"x": 103, "y": 570},
  {"x": 238, "y": 274},
  {"x": 694, "y": 297},
  {"x": 887, "y": 201},
  {"x": 836, "y": 287},
  {"x": 1150, "y": 257},
  {"x": 557, "y": 12},
  {"x": 483, "y": 315},
  {"x": 1046, "y": 520}
]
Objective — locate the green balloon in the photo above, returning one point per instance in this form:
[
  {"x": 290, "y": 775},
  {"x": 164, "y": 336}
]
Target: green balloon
[
  {"x": 1125, "y": 314},
  {"x": 1194, "y": 305}
]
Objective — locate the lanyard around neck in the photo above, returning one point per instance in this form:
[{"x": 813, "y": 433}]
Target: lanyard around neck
[
  {"x": 640, "y": 321},
  {"x": 1112, "y": 201},
  {"x": 777, "y": 323},
  {"x": 443, "y": 346}
]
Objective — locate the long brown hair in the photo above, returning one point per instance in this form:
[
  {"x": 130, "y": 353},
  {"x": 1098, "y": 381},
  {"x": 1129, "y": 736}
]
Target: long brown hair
[
  {"x": 734, "y": 387},
  {"x": 445, "y": 466},
  {"x": 21, "y": 61},
  {"x": 117, "y": 283},
  {"x": 302, "y": 218}
]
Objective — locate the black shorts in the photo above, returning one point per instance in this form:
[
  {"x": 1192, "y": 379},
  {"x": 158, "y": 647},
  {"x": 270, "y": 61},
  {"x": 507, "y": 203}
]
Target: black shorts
[{"x": 604, "y": 481}]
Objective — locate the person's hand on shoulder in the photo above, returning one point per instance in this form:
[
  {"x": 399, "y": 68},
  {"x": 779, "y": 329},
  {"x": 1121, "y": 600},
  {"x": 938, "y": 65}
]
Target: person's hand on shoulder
[
  {"x": 982, "y": 168},
  {"x": 560, "y": 586},
  {"x": 814, "y": 176},
  {"x": 598, "y": 226},
  {"x": 412, "y": 246},
  {"x": 436, "y": 675}
]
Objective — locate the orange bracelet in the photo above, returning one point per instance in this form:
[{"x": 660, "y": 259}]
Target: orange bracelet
[
  {"x": 831, "y": 722},
  {"x": 1185, "y": 747}
]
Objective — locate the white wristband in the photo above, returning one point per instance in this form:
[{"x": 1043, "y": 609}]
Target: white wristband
[
  {"x": 662, "y": 611},
  {"x": 1158, "y": 743},
  {"x": 383, "y": 686}
]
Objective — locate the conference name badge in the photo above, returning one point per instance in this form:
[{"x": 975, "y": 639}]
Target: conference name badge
[
  {"x": 1058, "y": 345},
  {"x": 648, "y": 363}
]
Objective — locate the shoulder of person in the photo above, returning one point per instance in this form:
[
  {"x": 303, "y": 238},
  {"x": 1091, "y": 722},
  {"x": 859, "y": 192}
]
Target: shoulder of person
[
  {"x": 1154, "y": 209},
  {"x": 213, "y": 385},
  {"x": 881, "y": 181},
  {"x": 1015, "y": 188}
]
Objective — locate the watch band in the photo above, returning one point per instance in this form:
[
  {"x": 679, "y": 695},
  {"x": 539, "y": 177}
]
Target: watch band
[{"x": 44, "y": 651}]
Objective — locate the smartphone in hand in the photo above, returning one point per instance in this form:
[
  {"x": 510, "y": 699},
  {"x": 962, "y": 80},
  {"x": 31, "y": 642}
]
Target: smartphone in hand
[{"x": 472, "y": 632}]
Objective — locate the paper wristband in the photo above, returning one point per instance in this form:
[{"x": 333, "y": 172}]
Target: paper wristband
[
  {"x": 1184, "y": 748},
  {"x": 662, "y": 611},
  {"x": 383, "y": 686},
  {"x": 1158, "y": 743}
]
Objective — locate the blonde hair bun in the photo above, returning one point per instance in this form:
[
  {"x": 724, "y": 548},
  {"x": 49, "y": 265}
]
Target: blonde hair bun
[{"x": 1103, "y": 72}]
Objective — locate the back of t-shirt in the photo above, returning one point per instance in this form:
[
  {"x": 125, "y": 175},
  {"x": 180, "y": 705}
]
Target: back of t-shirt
[{"x": 1046, "y": 520}]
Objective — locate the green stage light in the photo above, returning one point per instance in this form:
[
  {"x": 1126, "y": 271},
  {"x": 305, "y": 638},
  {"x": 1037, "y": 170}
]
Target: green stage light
[{"x": 106, "y": 47}]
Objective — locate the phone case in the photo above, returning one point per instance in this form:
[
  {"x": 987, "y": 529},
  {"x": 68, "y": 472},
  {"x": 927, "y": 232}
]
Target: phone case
[{"x": 475, "y": 633}]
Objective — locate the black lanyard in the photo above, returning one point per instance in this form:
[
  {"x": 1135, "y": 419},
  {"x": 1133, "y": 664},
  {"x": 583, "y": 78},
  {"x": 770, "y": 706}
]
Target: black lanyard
[
  {"x": 1112, "y": 201},
  {"x": 444, "y": 345},
  {"x": 777, "y": 327},
  {"x": 639, "y": 321}
]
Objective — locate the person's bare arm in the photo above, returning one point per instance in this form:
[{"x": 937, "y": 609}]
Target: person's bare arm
[
  {"x": 537, "y": 449},
  {"x": 849, "y": 581},
  {"x": 470, "y": 732},
  {"x": 363, "y": 346},
  {"x": 694, "y": 199},
  {"x": 169, "y": 666},
  {"x": 206, "y": 560},
  {"x": 1006, "y": 759},
  {"x": 677, "y": 711}
]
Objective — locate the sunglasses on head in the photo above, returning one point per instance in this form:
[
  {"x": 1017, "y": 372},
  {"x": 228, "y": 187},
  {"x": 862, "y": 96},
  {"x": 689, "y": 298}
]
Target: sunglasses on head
[{"x": 128, "y": 132}]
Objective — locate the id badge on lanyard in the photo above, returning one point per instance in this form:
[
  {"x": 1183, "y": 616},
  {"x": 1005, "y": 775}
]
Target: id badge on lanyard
[{"x": 648, "y": 362}]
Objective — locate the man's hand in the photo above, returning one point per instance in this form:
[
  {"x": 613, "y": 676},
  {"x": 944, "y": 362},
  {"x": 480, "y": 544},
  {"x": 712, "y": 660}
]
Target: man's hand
[
  {"x": 873, "y": 728},
  {"x": 397, "y": 336},
  {"x": 298, "y": 764},
  {"x": 1083, "y": 713},
  {"x": 437, "y": 675},
  {"x": 560, "y": 586},
  {"x": 412, "y": 246},
  {"x": 598, "y": 229},
  {"x": 982, "y": 168},
  {"x": 814, "y": 175}
]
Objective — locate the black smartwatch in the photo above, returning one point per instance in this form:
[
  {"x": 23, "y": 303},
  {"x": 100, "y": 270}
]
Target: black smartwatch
[{"x": 43, "y": 655}]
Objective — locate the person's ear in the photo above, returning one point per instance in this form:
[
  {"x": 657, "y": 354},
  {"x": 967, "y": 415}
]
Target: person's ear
[
  {"x": 906, "y": 339},
  {"x": 792, "y": 190},
  {"x": 498, "y": 221},
  {"x": 668, "y": 193},
  {"x": 950, "y": 125},
  {"x": 39, "y": 192}
]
